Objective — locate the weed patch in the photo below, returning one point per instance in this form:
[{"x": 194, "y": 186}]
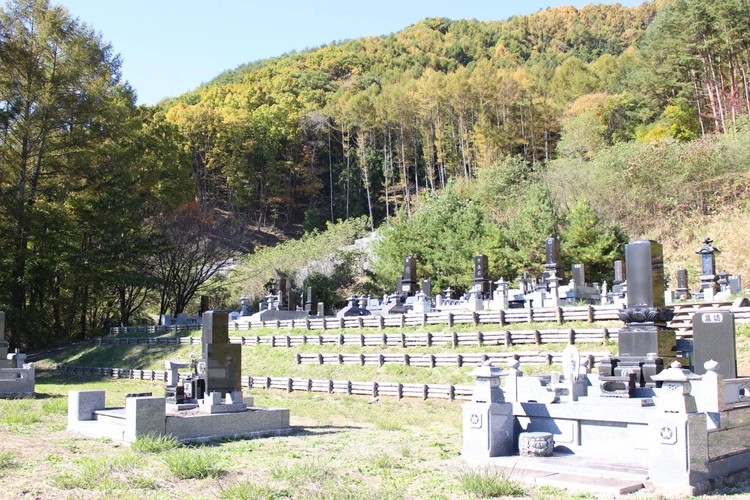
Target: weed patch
[
  {"x": 186, "y": 463},
  {"x": 488, "y": 483}
]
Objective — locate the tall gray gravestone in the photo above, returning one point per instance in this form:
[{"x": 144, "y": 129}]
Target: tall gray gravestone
[
  {"x": 645, "y": 343},
  {"x": 578, "y": 272},
  {"x": 221, "y": 360},
  {"x": 682, "y": 290},
  {"x": 619, "y": 273},
  {"x": 713, "y": 339}
]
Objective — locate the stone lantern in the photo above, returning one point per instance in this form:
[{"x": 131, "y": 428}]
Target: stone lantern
[
  {"x": 487, "y": 419},
  {"x": 488, "y": 388},
  {"x": 674, "y": 394}
]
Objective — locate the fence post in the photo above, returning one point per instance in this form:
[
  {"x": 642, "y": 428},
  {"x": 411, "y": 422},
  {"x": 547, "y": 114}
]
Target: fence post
[
  {"x": 288, "y": 385},
  {"x": 407, "y": 360},
  {"x": 403, "y": 320},
  {"x": 298, "y": 358},
  {"x": 475, "y": 318},
  {"x": 605, "y": 335},
  {"x": 459, "y": 360},
  {"x": 454, "y": 339},
  {"x": 591, "y": 313},
  {"x": 341, "y": 322},
  {"x": 502, "y": 317},
  {"x": 429, "y": 339},
  {"x": 537, "y": 337},
  {"x": 381, "y": 322},
  {"x": 374, "y": 389},
  {"x": 424, "y": 319},
  {"x": 320, "y": 358},
  {"x": 559, "y": 314},
  {"x": 425, "y": 391},
  {"x": 400, "y": 391},
  {"x": 361, "y": 337},
  {"x": 450, "y": 320},
  {"x": 403, "y": 340},
  {"x": 307, "y": 324},
  {"x": 508, "y": 338},
  {"x": 571, "y": 336},
  {"x": 432, "y": 361},
  {"x": 530, "y": 318}
]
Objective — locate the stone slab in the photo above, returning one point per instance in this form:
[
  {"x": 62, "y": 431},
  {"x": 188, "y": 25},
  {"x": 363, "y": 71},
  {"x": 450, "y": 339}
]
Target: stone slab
[
  {"x": 81, "y": 405},
  {"x": 249, "y": 423},
  {"x": 574, "y": 473}
]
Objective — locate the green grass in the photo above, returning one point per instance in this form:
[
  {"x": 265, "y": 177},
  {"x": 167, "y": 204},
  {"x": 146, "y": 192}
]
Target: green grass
[
  {"x": 153, "y": 443},
  {"x": 489, "y": 483},
  {"x": 194, "y": 463},
  {"x": 7, "y": 461},
  {"x": 120, "y": 472},
  {"x": 250, "y": 491}
]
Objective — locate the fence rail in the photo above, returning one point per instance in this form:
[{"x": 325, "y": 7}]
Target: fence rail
[
  {"x": 504, "y": 317},
  {"x": 372, "y": 389},
  {"x": 683, "y": 321},
  {"x": 505, "y": 338},
  {"x": 433, "y": 360}
]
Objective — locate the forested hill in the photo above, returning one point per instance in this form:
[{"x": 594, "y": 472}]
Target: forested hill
[
  {"x": 362, "y": 126},
  {"x": 443, "y": 44},
  {"x": 596, "y": 124}
]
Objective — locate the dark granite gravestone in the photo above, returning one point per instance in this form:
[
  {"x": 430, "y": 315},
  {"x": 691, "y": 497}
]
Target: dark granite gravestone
[
  {"x": 644, "y": 264},
  {"x": 735, "y": 284},
  {"x": 427, "y": 288},
  {"x": 409, "y": 281},
  {"x": 713, "y": 339},
  {"x": 310, "y": 299},
  {"x": 619, "y": 273},
  {"x": 482, "y": 274},
  {"x": 708, "y": 268},
  {"x": 552, "y": 247},
  {"x": 291, "y": 301},
  {"x": 244, "y": 307},
  {"x": 578, "y": 273},
  {"x": 205, "y": 304},
  {"x": 682, "y": 290},
  {"x": 4, "y": 362},
  {"x": 645, "y": 343},
  {"x": 222, "y": 361}
]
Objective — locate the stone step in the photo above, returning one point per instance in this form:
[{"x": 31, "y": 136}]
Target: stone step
[
  {"x": 111, "y": 416},
  {"x": 575, "y": 473}
]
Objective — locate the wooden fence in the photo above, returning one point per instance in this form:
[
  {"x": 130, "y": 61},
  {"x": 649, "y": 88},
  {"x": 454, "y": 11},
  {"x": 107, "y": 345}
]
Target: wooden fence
[
  {"x": 558, "y": 315},
  {"x": 683, "y": 320},
  {"x": 372, "y": 389},
  {"x": 505, "y": 338},
  {"x": 433, "y": 360}
]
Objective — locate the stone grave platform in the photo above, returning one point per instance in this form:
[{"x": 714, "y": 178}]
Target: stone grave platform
[{"x": 145, "y": 415}]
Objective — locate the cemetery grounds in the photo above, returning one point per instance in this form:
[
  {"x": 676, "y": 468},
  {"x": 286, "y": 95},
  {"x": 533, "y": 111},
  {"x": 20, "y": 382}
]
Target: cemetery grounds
[{"x": 342, "y": 447}]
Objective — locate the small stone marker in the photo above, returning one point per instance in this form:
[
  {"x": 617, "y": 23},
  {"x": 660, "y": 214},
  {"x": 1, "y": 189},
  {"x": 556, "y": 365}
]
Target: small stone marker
[{"x": 713, "y": 339}]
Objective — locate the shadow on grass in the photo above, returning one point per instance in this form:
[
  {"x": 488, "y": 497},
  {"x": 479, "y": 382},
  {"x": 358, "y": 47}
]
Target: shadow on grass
[{"x": 310, "y": 430}]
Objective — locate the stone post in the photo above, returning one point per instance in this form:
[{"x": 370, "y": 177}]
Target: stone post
[
  {"x": 487, "y": 420},
  {"x": 678, "y": 447},
  {"x": 500, "y": 296}
]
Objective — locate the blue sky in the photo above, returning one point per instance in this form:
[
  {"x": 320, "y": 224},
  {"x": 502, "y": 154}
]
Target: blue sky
[{"x": 171, "y": 46}]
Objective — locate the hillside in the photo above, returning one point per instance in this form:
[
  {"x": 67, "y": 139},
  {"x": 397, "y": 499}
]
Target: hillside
[{"x": 598, "y": 125}]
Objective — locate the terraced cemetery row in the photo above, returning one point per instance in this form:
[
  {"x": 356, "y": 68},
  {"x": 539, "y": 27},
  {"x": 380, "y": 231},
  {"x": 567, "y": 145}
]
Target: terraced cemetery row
[{"x": 422, "y": 339}]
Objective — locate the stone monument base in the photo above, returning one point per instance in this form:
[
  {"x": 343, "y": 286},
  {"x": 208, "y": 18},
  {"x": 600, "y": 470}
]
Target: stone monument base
[{"x": 148, "y": 415}]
